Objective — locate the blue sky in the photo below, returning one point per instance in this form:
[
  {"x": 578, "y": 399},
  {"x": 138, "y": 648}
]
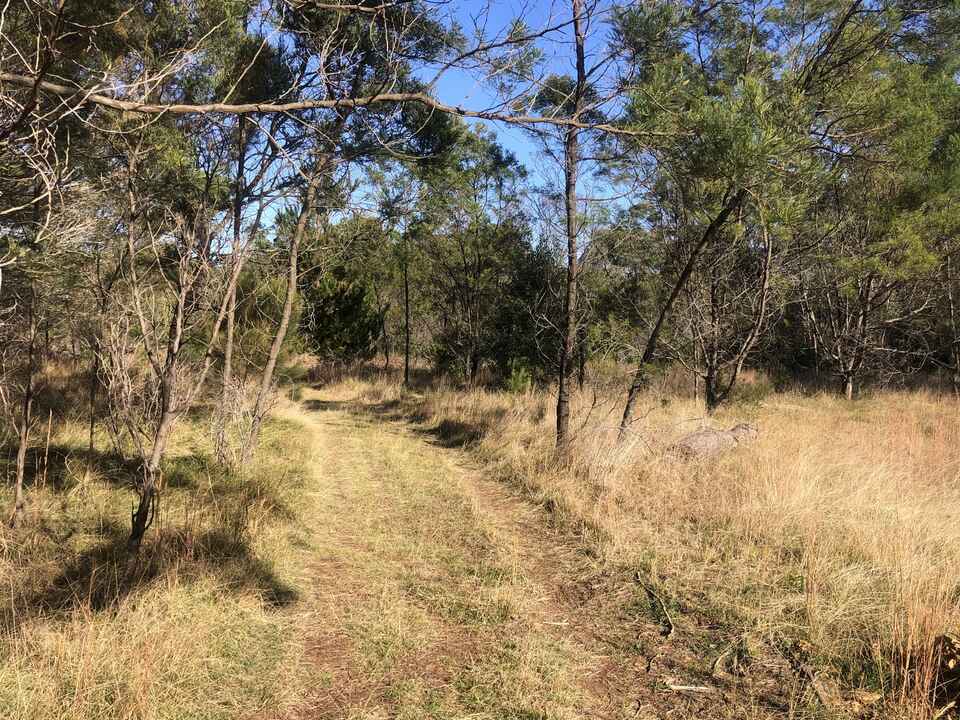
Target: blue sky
[{"x": 461, "y": 88}]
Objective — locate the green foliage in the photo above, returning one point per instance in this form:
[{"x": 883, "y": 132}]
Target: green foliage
[
  {"x": 260, "y": 299},
  {"x": 520, "y": 379},
  {"x": 339, "y": 320}
]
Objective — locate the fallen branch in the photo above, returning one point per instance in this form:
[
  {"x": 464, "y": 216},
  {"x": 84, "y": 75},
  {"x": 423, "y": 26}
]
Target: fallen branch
[
  {"x": 653, "y": 596},
  {"x": 691, "y": 688}
]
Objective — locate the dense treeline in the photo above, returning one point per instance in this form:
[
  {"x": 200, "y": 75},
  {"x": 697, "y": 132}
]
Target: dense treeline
[{"x": 184, "y": 185}]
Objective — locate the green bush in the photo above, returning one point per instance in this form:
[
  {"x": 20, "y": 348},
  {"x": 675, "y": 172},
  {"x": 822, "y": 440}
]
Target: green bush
[{"x": 520, "y": 379}]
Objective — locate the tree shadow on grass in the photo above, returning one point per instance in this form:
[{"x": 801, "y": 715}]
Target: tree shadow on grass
[
  {"x": 60, "y": 466},
  {"x": 330, "y": 373},
  {"x": 99, "y": 578},
  {"x": 314, "y": 405},
  {"x": 447, "y": 433}
]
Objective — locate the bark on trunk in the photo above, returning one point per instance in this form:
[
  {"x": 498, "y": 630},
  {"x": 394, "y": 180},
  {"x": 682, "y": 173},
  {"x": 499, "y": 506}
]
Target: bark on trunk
[
  {"x": 386, "y": 345},
  {"x": 848, "y": 387},
  {"x": 239, "y": 192},
  {"x": 94, "y": 381},
  {"x": 954, "y": 329},
  {"x": 710, "y": 390},
  {"x": 474, "y": 366},
  {"x": 266, "y": 381},
  {"x": 581, "y": 358},
  {"x": 148, "y": 498},
  {"x": 406, "y": 323},
  {"x": 571, "y": 171},
  {"x": 723, "y": 391},
  {"x": 23, "y": 430},
  {"x": 226, "y": 390},
  {"x": 382, "y": 310},
  {"x": 19, "y": 501}
]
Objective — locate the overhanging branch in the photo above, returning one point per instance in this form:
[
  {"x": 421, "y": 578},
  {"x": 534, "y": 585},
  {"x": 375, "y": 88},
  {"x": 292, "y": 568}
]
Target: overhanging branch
[{"x": 86, "y": 97}]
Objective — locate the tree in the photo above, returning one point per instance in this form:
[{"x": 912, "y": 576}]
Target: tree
[
  {"x": 873, "y": 271},
  {"x": 470, "y": 236},
  {"x": 343, "y": 316},
  {"x": 752, "y": 102}
]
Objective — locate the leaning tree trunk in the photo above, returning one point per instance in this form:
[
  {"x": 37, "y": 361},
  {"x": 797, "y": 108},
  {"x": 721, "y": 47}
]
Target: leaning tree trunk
[
  {"x": 261, "y": 406},
  {"x": 723, "y": 391},
  {"x": 641, "y": 376},
  {"x": 220, "y": 443},
  {"x": 148, "y": 500}
]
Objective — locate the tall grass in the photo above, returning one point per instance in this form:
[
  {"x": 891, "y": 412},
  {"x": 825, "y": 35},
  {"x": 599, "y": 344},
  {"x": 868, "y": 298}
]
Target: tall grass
[
  {"x": 201, "y": 625},
  {"x": 835, "y": 532}
]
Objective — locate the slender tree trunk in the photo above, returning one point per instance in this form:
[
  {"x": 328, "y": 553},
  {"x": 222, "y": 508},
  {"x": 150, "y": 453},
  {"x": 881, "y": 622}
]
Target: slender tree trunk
[
  {"x": 386, "y": 342},
  {"x": 474, "y": 365},
  {"x": 148, "y": 501},
  {"x": 710, "y": 390},
  {"x": 954, "y": 329},
  {"x": 571, "y": 157},
  {"x": 382, "y": 314},
  {"x": 569, "y": 339},
  {"x": 23, "y": 441},
  {"x": 226, "y": 392},
  {"x": 23, "y": 431},
  {"x": 266, "y": 381},
  {"x": 736, "y": 366},
  {"x": 406, "y": 323},
  {"x": 92, "y": 399},
  {"x": 239, "y": 191},
  {"x": 581, "y": 358},
  {"x": 696, "y": 371}
]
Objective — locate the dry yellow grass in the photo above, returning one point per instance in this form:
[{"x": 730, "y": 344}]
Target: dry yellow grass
[
  {"x": 836, "y": 531},
  {"x": 833, "y": 534},
  {"x": 203, "y": 625}
]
